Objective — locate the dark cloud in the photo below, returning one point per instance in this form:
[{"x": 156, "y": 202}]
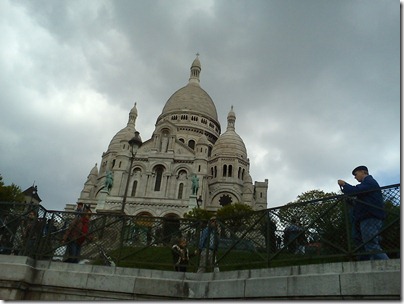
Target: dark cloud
[{"x": 315, "y": 85}]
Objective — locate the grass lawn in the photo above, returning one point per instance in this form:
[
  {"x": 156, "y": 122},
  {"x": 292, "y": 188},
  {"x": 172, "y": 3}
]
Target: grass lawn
[{"x": 161, "y": 258}]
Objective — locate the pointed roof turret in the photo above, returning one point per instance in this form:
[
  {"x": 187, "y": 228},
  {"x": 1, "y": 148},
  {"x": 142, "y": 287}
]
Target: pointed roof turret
[
  {"x": 231, "y": 119},
  {"x": 195, "y": 70},
  {"x": 126, "y": 133},
  {"x": 32, "y": 194},
  {"x": 133, "y": 115},
  {"x": 94, "y": 171},
  {"x": 92, "y": 176}
]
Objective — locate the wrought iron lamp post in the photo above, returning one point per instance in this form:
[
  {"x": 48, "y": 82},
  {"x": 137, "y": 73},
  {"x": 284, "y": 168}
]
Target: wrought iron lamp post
[
  {"x": 199, "y": 201},
  {"x": 135, "y": 142}
]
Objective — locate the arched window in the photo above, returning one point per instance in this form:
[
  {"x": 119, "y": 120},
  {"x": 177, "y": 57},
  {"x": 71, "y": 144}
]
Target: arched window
[
  {"x": 242, "y": 174},
  {"x": 182, "y": 174},
  {"x": 224, "y": 170},
  {"x": 239, "y": 172},
  {"x": 215, "y": 171},
  {"x": 191, "y": 144},
  {"x": 137, "y": 171},
  {"x": 134, "y": 187},
  {"x": 159, "y": 176},
  {"x": 230, "y": 170},
  {"x": 180, "y": 190}
]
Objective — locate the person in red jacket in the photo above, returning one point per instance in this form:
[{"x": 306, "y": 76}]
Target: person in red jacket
[{"x": 76, "y": 235}]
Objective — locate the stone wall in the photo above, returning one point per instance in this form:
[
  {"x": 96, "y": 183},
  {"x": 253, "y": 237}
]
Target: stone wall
[{"x": 22, "y": 278}]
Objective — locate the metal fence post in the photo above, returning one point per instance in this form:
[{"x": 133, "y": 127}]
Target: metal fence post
[{"x": 348, "y": 227}]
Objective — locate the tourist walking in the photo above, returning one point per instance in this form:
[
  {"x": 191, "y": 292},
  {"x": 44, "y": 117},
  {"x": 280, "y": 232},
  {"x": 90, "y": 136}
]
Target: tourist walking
[{"x": 208, "y": 245}]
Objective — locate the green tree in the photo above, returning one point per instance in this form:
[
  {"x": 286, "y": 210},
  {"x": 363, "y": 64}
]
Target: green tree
[
  {"x": 236, "y": 210},
  {"x": 235, "y": 217},
  {"x": 198, "y": 214},
  {"x": 322, "y": 215},
  {"x": 390, "y": 240},
  {"x": 9, "y": 196},
  {"x": 308, "y": 207},
  {"x": 11, "y": 193}
]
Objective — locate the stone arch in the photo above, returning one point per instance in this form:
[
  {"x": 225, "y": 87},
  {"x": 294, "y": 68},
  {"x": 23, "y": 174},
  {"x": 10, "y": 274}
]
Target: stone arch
[
  {"x": 140, "y": 166},
  {"x": 181, "y": 168},
  {"x": 144, "y": 214}
]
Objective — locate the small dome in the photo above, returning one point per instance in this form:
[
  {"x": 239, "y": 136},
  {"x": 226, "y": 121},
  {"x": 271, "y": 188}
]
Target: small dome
[
  {"x": 230, "y": 144},
  {"x": 126, "y": 133},
  {"x": 123, "y": 135},
  {"x": 94, "y": 170}
]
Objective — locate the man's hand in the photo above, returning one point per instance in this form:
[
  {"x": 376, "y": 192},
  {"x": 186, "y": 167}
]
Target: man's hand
[{"x": 341, "y": 182}]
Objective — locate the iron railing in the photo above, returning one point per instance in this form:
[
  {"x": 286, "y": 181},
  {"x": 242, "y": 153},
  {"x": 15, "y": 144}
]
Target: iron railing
[{"x": 252, "y": 240}]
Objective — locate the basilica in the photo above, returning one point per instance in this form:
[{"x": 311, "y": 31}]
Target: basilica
[{"x": 187, "y": 163}]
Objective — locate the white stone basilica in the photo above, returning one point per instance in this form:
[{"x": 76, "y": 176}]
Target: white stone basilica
[{"x": 186, "y": 162}]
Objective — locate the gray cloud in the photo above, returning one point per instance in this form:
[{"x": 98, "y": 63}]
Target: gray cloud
[{"x": 315, "y": 85}]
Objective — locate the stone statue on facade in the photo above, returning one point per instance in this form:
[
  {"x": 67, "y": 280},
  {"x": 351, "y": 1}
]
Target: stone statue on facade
[
  {"x": 195, "y": 184},
  {"x": 109, "y": 181}
]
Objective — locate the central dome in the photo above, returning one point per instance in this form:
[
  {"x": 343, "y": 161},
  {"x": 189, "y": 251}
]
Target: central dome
[{"x": 191, "y": 98}]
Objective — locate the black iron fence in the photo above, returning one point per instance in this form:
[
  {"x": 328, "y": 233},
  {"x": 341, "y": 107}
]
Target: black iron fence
[{"x": 322, "y": 232}]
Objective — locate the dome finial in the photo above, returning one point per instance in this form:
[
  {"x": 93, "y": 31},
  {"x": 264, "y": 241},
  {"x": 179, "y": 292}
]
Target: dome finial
[
  {"x": 133, "y": 115},
  {"x": 195, "y": 70},
  {"x": 231, "y": 119}
]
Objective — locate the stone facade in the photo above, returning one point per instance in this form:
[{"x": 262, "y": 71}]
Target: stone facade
[{"x": 186, "y": 161}]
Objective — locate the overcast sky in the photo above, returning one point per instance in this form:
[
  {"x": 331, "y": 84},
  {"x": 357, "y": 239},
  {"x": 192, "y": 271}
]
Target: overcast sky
[{"x": 315, "y": 85}]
